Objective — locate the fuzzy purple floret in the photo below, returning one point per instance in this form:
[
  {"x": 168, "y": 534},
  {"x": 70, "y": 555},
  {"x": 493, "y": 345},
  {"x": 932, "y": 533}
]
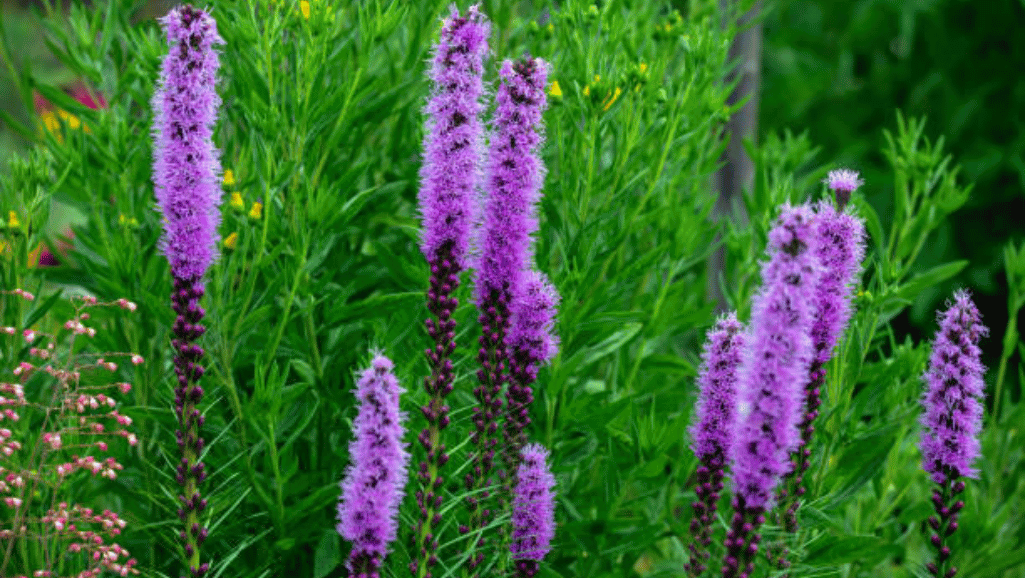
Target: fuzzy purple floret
[
  {"x": 532, "y": 319},
  {"x": 775, "y": 364},
  {"x": 533, "y": 514},
  {"x": 841, "y": 251},
  {"x": 186, "y": 165},
  {"x": 844, "y": 180},
  {"x": 954, "y": 393},
  {"x": 713, "y": 425},
  {"x": 514, "y": 177},
  {"x": 375, "y": 480},
  {"x": 454, "y": 141}
]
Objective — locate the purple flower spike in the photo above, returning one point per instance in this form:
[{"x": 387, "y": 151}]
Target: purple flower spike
[
  {"x": 954, "y": 392},
  {"x": 533, "y": 515},
  {"x": 186, "y": 173},
  {"x": 186, "y": 165},
  {"x": 514, "y": 177},
  {"x": 772, "y": 376},
  {"x": 952, "y": 419},
  {"x": 454, "y": 142},
  {"x": 532, "y": 341},
  {"x": 450, "y": 178},
  {"x": 841, "y": 250},
  {"x": 373, "y": 486},
  {"x": 843, "y": 182},
  {"x": 712, "y": 430}
]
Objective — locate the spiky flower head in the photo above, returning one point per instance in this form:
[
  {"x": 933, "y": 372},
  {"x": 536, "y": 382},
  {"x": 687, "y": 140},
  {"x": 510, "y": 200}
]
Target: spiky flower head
[
  {"x": 533, "y": 515},
  {"x": 843, "y": 182},
  {"x": 841, "y": 251},
  {"x": 374, "y": 482},
  {"x": 775, "y": 366},
  {"x": 514, "y": 177},
  {"x": 186, "y": 165},
  {"x": 454, "y": 137},
  {"x": 532, "y": 321},
  {"x": 712, "y": 429},
  {"x": 954, "y": 393}
]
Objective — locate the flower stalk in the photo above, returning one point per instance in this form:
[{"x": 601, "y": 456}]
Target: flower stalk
[
  {"x": 952, "y": 419},
  {"x": 772, "y": 375},
  {"x": 186, "y": 172},
  {"x": 712, "y": 430},
  {"x": 450, "y": 178},
  {"x": 514, "y": 176}
]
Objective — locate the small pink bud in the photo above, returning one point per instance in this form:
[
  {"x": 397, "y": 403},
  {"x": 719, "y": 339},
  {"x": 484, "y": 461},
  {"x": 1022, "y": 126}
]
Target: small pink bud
[
  {"x": 137, "y": 359},
  {"x": 29, "y": 335}
]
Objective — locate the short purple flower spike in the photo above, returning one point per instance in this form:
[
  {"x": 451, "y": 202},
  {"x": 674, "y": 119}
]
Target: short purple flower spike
[
  {"x": 533, "y": 514},
  {"x": 952, "y": 419},
  {"x": 843, "y": 182},
  {"x": 771, "y": 382},
  {"x": 186, "y": 173},
  {"x": 532, "y": 341},
  {"x": 186, "y": 165},
  {"x": 712, "y": 429},
  {"x": 954, "y": 393},
  {"x": 374, "y": 483}
]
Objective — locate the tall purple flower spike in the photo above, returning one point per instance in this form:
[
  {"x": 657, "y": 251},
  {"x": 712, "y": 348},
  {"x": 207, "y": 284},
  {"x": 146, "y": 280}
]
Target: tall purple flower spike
[
  {"x": 952, "y": 418},
  {"x": 533, "y": 514},
  {"x": 186, "y": 173},
  {"x": 374, "y": 483},
  {"x": 514, "y": 178},
  {"x": 772, "y": 375},
  {"x": 532, "y": 341},
  {"x": 841, "y": 251},
  {"x": 712, "y": 430},
  {"x": 450, "y": 176}
]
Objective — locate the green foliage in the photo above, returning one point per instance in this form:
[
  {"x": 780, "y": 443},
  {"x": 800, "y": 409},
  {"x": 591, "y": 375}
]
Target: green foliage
[{"x": 321, "y": 128}]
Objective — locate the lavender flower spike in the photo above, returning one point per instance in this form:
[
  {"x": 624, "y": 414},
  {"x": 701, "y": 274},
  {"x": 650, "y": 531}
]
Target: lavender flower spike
[
  {"x": 373, "y": 486},
  {"x": 454, "y": 143},
  {"x": 532, "y": 341},
  {"x": 187, "y": 177},
  {"x": 533, "y": 516},
  {"x": 514, "y": 177},
  {"x": 952, "y": 419},
  {"x": 186, "y": 165},
  {"x": 712, "y": 430},
  {"x": 841, "y": 251},
  {"x": 772, "y": 375},
  {"x": 450, "y": 176}
]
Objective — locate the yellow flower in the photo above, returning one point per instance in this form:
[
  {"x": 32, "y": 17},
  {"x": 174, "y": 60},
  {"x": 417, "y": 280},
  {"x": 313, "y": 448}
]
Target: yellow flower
[
  {"x": 231, "y": 241},
  {"x": 50, "y": 121},
  {"x": 609, "y": 101},
  {"x": 556, "y": 92},
  {"x": 304, "y": 7},
  {"x": 587, "y": 90},
  {"x": 127, "y": 221},
  {"x": 643, "y": 67},
  {"x": 72, "y": 120},
  {"x": 12, "y": 220},
  {"x": 256, "y": 211},
  {"x": 237, "y": 203},
  {"x": 229, "y": 178},
  {"x": 551, "y": 27}
]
